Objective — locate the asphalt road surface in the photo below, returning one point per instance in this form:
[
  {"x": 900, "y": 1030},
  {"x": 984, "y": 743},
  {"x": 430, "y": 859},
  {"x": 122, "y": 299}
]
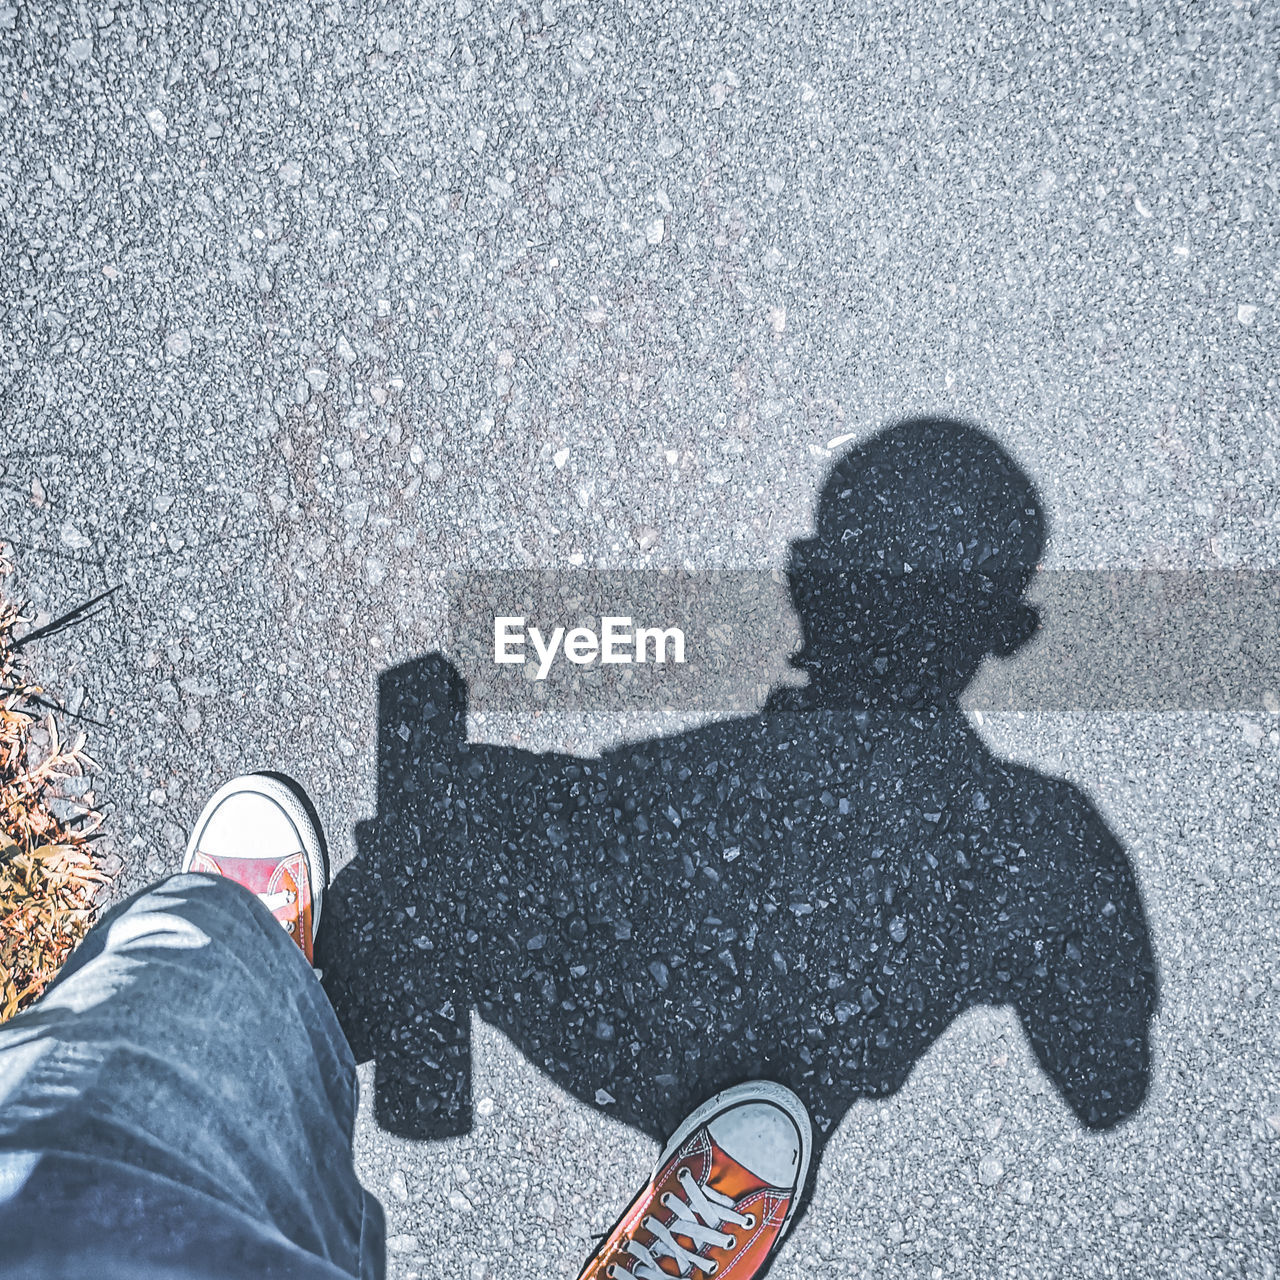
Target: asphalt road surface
[{"x": 312, "y": 313}]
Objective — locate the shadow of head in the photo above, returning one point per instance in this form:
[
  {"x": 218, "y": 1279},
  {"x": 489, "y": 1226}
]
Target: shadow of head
[{"x": 927, "y": 536}]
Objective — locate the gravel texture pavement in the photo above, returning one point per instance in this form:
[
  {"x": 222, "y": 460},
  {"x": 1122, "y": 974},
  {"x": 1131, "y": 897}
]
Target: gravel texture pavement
[{"x": 308, "y": 309}]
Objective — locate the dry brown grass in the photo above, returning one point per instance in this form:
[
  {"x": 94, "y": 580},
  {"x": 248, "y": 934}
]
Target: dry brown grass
[{"x": 48, "y": 873}]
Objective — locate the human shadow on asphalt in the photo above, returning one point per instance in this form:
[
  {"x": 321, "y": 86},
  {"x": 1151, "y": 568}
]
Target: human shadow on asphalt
[{"x": 810, "y": 894}]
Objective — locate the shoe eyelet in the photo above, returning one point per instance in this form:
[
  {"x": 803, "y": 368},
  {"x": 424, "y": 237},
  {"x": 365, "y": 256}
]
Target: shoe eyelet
[
  {"x": 751, "y": 1222},
  {"x": 733, "y": 1243}
]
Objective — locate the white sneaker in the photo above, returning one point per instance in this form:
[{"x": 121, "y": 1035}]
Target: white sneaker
[{"x": 259, "y": 831}]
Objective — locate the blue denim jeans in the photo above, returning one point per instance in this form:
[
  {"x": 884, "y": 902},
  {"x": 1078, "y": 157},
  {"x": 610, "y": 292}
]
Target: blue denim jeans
[{"x": 180, "y": 1103}]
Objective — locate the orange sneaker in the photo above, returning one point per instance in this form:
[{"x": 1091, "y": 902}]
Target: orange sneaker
[
  {"x": 258, "y": 831},
  {"x": 722, "y": 1196}
]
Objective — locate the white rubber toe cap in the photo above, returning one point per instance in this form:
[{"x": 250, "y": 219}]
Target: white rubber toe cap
[
  {"x": 762, "y": 1138},
  {"x": 247, "y": 824}
]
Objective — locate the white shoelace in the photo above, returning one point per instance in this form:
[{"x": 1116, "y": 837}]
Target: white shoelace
[
  {"x": 274, "y": 901},
  {"x": 697, "y": 1218}
]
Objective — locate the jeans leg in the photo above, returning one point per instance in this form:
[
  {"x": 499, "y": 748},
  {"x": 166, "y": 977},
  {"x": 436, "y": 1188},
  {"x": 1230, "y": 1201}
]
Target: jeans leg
[{"x": 183, "y": 1085}]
